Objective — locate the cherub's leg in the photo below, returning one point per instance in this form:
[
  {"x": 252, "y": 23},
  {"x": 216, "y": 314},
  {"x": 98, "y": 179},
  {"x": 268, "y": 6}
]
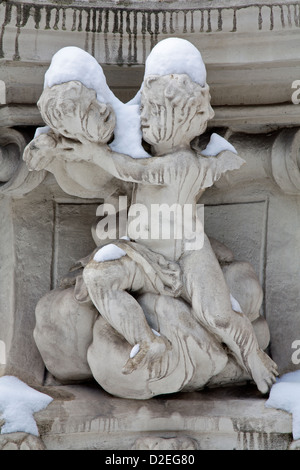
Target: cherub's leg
[
  {"x": 207, "y": 290},
  {"x": 107, "y": 283}
]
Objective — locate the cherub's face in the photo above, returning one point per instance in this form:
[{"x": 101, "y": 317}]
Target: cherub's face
[
  {"x": 73, "y": 111},
  {"x": 174, "y": 110}
]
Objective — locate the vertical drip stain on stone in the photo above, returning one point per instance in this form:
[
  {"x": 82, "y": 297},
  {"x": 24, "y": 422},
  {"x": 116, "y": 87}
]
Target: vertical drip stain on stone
[
  {"x": 220, "y": 20},
  {"x": 271, "y": 18},
  {"x": 156, "y": 27},
  {"x": 192, "y": 21},
  {"x": 260, "y": 20},
  {"x": 297, "y": 15},
  {"x": 48, "y": 17},
  {"x": 115, "y": 28},
  {"x": 135, "y": 48},
  {"x": 94, "y": 20},
  {"x": 144, "y": 24},
  {"x": 88, "y": 19},
  {"x": 208, "y": 21},
  {"x": 80, "y": 21},
  {"x": 234, "y": 22},
  {"x": 120, "y": 31},
  {"x": 99, "y": 28},
  {"x": 184, "y": 22},
  {"x": 144, "y": 35},
  {"x": 149, "y": 29},
  {"x": 37, "y": 16},
  {"x": 63, "y": 27},
  {"x": 7, "y": 19},
  {"x": 172, "y": 30},
  {"x": 56, "y": 19},
  {"x": 202, "y": 22},
  {"x": 18, "y": 26},
  {"x": 289, "y": 15},
  {"x": 106, "y": 23},
  {"x": 164, "y": 23},
  {"x": 282, "y": 16},
  {"x": 106, "y": 30},
  {"x": 128, "y": 31},
  {"x": 74, "y": 19}
]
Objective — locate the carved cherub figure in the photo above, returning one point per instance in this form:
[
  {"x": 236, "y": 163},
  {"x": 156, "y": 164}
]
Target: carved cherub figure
[{"x": 175, "y": 110}]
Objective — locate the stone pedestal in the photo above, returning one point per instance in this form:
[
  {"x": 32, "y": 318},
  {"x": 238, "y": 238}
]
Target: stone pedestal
[{"x": 234, "y": 418}]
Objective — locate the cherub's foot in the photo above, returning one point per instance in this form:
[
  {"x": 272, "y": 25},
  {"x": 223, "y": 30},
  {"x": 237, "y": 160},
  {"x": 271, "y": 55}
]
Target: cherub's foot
[
  {"x": 263, "y": 370},
  {"x": 146, "y": 353}
]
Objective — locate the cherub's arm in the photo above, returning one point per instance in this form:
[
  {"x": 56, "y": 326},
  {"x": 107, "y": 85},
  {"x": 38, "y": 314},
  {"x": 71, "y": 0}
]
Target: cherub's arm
[
  {"x": 152, "y": 170},
  {"x": 44, "y": 151}
]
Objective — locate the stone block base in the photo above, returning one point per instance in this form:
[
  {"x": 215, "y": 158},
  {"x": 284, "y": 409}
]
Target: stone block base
[{"x": 84, "y": 417}]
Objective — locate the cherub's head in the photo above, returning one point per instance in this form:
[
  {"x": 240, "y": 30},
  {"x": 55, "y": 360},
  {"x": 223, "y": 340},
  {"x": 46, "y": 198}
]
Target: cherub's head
[
  {"x": 174, "y": 110},
  {"x": 72, "y": 110}
]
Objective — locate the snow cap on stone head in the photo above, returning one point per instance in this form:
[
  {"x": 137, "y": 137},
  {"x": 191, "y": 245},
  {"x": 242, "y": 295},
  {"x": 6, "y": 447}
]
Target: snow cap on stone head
[{"x": 178, "y": 56}]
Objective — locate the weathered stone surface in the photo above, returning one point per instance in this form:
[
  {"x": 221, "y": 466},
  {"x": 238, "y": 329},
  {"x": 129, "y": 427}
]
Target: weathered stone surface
[
  {"x": 247, "y": 36},
  {"x": 160, "y": 443},
  {"x": 21, "y": 441},
  {"x": 63, "y": 333},
  {"x": 216, "y": 419}
]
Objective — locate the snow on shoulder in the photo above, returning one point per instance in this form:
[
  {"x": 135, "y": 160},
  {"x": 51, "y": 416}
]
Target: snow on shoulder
[
  {"x": 216, "y": 145},
  {"x": 18, "y": 402},
  {"x": 72, "y": 63},
  {"x": 109, "y": 252},
  {"x": 176, "y": 55},
  {"x": 285, "y": 395}
]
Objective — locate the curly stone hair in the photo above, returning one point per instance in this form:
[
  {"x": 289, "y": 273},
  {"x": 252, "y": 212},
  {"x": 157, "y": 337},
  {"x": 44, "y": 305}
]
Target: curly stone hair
[
  {"x": 181, "y": 104},
  {"x": 72, "y": 110}
]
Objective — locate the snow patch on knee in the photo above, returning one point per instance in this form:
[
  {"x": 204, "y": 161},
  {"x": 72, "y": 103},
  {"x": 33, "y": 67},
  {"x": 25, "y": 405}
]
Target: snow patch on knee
[
  {"x": 109, "y": 252},
  {"x": 134, "y": 351}
]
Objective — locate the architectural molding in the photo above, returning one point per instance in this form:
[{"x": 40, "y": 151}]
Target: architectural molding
[
  {"x": 14, "y": 175},
  {"x": 286, "y": 160},
  {"x": 236, "y": 39}
]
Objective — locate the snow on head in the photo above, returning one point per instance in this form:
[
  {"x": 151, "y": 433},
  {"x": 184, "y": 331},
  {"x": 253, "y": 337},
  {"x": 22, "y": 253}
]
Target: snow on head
[
  {"x": 175, "y": 55},
  {"x": 73, "y": 63},
  {"x": 18, "y": 402}
]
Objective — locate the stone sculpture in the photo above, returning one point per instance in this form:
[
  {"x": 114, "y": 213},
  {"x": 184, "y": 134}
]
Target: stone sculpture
[{"x": 146, "y": 315}]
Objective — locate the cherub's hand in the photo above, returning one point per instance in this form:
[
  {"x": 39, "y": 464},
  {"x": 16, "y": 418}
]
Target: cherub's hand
[
  {"x": 38, "y": 154},
  {"x": 76, "y": 151}
]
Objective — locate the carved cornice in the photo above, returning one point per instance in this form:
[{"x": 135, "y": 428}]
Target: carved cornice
[
  {"x": 150, "y": 21},
  {"x": 237, "y": 40}
]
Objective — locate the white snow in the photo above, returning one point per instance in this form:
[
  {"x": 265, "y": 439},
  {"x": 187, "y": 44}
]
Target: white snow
[
  {"x": 155, "y": 332},
  {"x": 173, "y": 55},
  {"x": 18, "y": 402},
  {"x": 109, "y": 252},
  {"x": 134, "y": 351},
  {"x": 235, "y": 305},
  {"x": 176, "y": 55},
  {"x": 285, "y": 395},
  {"x": 72, "y": 63},
  {"x": 41, "y": 130},
  {"x": 216, "y": 145}
]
